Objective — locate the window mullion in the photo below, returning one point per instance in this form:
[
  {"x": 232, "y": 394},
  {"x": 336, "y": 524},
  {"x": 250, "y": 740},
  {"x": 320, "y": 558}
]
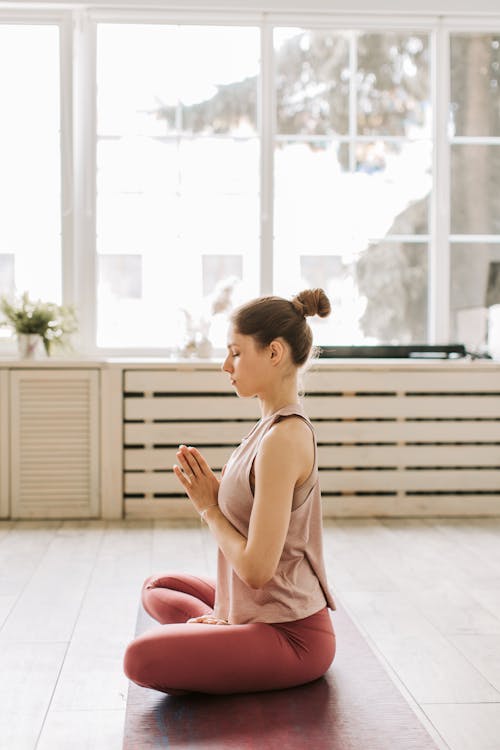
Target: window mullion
[
  {"x": 267, "y": 131},
  {"x": 85, "y": 170},
  {"x": 353, "y": 99},
  {"x": 67, "y": 162},
  {"x": 439, "y": 248}
]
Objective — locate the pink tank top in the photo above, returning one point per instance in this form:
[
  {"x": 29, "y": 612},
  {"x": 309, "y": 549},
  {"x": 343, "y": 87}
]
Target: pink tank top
[{"x": 299, "y": 587}]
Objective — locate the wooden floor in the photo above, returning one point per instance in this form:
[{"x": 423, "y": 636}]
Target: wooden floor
[{"x": 426, "y": 594}]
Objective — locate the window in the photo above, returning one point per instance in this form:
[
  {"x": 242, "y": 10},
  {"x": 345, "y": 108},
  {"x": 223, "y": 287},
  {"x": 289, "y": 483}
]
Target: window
[
  {"x": 146, "y": 155},
  {"x": 475, "y": 175},
  {"x": 30, "y": 185},
  {"x": 353, "y": 178},
  {"x": 177, "y": 175}
]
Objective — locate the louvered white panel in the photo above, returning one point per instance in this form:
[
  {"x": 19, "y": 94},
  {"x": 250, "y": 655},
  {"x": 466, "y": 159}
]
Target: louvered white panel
[
  {"x": 4, "y": 444},
  {"x": 55, "y": 443}
]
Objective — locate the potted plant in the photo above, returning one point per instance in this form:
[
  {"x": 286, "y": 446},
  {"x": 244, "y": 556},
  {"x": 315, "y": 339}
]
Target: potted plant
[{"x": 38, "y": 321}]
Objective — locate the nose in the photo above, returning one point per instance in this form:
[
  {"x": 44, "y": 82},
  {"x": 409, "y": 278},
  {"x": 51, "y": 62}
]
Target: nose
[{"x": 226, "y": 366}]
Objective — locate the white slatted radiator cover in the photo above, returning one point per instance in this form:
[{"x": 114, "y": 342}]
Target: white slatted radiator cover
[
  {"x": 55, "y": 443},
  {"x": 395, "y": 442}
]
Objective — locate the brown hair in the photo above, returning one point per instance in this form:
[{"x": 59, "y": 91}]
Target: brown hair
[{"x": 268, "y": 318}]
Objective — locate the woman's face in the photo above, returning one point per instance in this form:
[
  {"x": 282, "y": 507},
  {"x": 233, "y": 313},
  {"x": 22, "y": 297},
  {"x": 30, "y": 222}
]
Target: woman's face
[{"x": 247, "y": 365}]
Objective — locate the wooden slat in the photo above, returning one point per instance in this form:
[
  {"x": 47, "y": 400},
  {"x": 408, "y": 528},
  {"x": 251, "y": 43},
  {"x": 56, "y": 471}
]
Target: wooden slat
[
  {"x": 343, "y": 506},
  {"x": 339, "y": 456},
  {"x": 149, "y": 460},
  {"x": 317, "y": 407},
  {"x": 177, "y": 381},
  {"x": 189, "y": 433},
  {"x": 352, "y": 481},
  {"x": 400, "y": 381},
  {"x": 410, "y": 432},
  {"x": 195, "y": 433},
  {"x": 424, "y": 480},
  {"x": 191, "y": 407},
  {"x": 326, "y": 379}
]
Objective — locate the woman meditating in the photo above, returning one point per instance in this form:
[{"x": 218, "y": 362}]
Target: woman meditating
[{"x": 264, "y": 624}]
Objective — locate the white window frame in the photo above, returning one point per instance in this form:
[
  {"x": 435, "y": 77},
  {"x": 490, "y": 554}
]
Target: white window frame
[{"x": 78, "y": 29}]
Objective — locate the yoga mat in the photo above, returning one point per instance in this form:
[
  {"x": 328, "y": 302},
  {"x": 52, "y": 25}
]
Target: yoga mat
[{"x": 355, "y": 706}]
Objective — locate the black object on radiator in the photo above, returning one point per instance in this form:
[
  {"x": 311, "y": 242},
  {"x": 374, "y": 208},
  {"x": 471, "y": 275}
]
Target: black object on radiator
[{"x": 390, "y": 351}]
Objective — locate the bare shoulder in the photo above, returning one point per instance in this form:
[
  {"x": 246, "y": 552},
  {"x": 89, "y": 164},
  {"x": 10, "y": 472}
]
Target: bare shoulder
[
  {"x": 291, "y": 427},
  {"x": 288, "y": 447},
  {"x": 291, "y": 432}
]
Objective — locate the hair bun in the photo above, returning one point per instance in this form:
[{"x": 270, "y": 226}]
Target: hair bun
[{"x": 312, "y": 302}]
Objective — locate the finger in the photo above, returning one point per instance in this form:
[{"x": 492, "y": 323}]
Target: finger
[
  {"x": 181, "y": 477},
  {"x": 199, "y": 458},
  {"x": 189, "y": 463},
  {"x": 186, "y": 466}
]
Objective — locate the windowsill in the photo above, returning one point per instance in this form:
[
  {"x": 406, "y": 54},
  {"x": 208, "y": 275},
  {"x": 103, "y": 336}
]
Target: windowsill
[{"x": 214, "y": 363}]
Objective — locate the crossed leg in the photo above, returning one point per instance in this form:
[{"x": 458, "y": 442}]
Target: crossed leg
[{"x": 178, "y": 657}]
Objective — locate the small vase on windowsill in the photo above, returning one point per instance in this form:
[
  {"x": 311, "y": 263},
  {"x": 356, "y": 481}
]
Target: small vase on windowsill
[{"x": 30, "y": 346}]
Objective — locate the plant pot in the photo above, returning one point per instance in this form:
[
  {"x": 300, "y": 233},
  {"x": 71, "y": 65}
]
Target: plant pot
[{"x": 30, "y": 346}]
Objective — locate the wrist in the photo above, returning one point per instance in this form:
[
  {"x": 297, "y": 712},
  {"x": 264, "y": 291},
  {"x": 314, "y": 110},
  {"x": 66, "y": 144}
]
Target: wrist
[{"x": 205, "y": 511}]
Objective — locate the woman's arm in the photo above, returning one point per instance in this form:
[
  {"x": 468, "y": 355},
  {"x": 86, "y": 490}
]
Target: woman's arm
[{"x": 284, "y": 455}]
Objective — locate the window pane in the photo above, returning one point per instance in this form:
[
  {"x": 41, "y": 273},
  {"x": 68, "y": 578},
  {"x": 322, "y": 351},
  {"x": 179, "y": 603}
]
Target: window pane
[
  {"x": 312, "y": 81},
  {"x": 393, "y": 85},
  {"x": 393, "y": 279},
  {"x": 319, "y": 204},
  {"x": 179, "y": 79},
  {"x": 177, "y": 215},
  {"x": 475, "y": 84},
  {"x": 474, "y": 285},
  {"x": 122, "y": 274},
  {"x": 378, "y": 295},
  {"x": 471, "y": 265},
  {"x": 475, "y": 189},
  {"x": 30, "y": 189}
]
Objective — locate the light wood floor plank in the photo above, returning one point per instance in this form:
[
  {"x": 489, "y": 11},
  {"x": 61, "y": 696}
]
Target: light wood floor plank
[
  {"x": 92, "y": 676},
  {"x": 178, "y": 547},
  {"x": 83, "y": 730},
  {"x": 483, "y": 652},
  {"x": 29, "y": 674},
  {"x": 473, "y": 726},
  {"x": 21, "y": 551},
  {"x": 47, "y": 609}
]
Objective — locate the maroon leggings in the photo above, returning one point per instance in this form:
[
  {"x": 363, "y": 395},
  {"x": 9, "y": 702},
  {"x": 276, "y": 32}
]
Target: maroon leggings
[{"x": 179, "y": 657}]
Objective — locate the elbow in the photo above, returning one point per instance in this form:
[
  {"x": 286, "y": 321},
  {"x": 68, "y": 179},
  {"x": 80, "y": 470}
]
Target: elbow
[{"x": 257, "y": 579}]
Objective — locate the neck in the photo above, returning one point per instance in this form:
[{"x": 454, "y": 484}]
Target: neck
[{"x": 275, "y": 399}]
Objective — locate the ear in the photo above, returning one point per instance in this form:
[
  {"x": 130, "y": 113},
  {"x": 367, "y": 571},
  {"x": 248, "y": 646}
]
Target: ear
[{"x": 277, "y": 351}]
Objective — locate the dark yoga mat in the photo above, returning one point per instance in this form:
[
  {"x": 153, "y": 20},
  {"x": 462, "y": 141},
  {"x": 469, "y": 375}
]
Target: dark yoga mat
[{"x": 355, "y": 706}]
